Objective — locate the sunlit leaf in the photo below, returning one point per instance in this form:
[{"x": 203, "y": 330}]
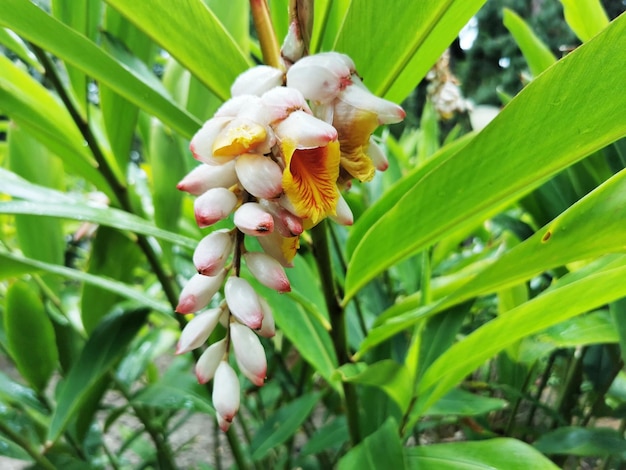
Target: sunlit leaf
[
  {"x": 490, "y": 454},
  {"x": 382, "y": 449},
  {"x": 75, "y": 49},
  {"x": 191, "y": 33},
  {"x": 508, "y": 158}
]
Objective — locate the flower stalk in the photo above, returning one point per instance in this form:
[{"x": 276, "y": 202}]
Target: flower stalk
[
  {"x": 338, "y": 324},
  {"x": 265, "y": 31}
]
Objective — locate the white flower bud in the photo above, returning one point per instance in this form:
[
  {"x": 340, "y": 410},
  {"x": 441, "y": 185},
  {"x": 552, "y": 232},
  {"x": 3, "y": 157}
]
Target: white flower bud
[
  {"x": 198, "y": 330},
  {"x": 378, "y": 156},
  {"x": 214, "y": 205},
  {"x": 243, "y": 302},
  {"x": 205, "y": 177},
  {"x": 253, "y": 220},
  {"x": 257, "y": 80},
  {"x": 212, "y": 252},
  {"x": 226, "y": 392},
  {"x": 343, "y": 215},
  {"x": 305, "y": 130},
  {"x": 285, "y": 222},
  {"x": 259, "y": 175},
  {"x": 249, "y": 353},
  {"x": 198, "y": 292},
  {"x": 209, "y": 360},
  {"x": 268, "y": 271},
  {"x": 201, "y": 144},
  {"x": 321, "y": 77},
  {"x": 268, "y": 327}
]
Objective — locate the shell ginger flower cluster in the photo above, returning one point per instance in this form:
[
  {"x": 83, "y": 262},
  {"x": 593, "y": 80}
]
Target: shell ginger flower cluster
[{"x": 275, "y": 157}]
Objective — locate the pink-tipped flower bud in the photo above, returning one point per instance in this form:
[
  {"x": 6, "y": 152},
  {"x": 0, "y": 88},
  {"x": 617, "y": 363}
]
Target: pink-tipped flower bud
[
  {"x": 253, "y": 220},
  {"x": 267, "y": 271},
  {"x": 249, "y": 353},
  {"x": 379, "y": 159},
  {"x": 243, "y": 302},
  {"x": 201, "y": 144},
  {"x": 321, "y": 77},
  {"x": 209, "y": 360},
  {"x": 343, "y": 213},
  {"x": 259, "y": 175},
  {"x": 285, "y": 222},
  {"x": 268, "y": 327},
  {"x": 214, "y": 205},
  {"x": 205, "y": 177},
  {"x": 197, "y": 331},
  {"x": 279, "y": 102},
  {"x": 226, "y": 393},
  {"x": 198, "y": 292},
  {"x": 358, "y": 96},
  {"x": 212, "y": 252},
  {"x": 257, "y": 80}
]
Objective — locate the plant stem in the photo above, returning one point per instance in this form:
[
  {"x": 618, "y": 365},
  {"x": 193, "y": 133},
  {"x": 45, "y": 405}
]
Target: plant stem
[
  {"x": 338, "y": 323},
  {"x": 235, "y": 447},
  {"x": 20, "y": 440},
  {"x": 265, "y": 31},
  {"x": 119, "y": 190}
]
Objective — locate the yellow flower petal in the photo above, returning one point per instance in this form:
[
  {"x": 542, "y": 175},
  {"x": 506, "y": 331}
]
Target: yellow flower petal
[
  {"x": 310, "y": 178},
  {"x": 354, "y": 128},
  {"x": 239, "y": 137}
]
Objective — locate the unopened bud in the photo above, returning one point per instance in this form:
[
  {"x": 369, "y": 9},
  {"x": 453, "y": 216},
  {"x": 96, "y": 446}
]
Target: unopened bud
[
  {"x": 226, "y": 392},
  {"x": 243, "y": 302},
  {"x": 212, "y": 252},
  {"x": 267, "y": 271},
  {"x": 253, "y": 220},
  {"x": 249, "y": 353},
  {"x": 259, "y": 175},
  {"x": 205, "y": 177},
  {"x": 198, "y": 292},
  {"x": 197, "y": 331},
  {"x": 209, "y": 360},
  {"x": 214, "y": 205}
]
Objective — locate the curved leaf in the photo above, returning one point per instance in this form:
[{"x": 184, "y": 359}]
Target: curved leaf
[
  {"x": 582, "y": 442},
  {"x": 510, "y": 157},
  {"x": 75, "y": 49},
  {"x": 537, "y": 54},
  {"x": 480, "y": 455},
  {"x": 381, "y": 449},
  {"x": 563, "y": 302},
  {"x": 585, "y": 17},
  {"x": 394, "y": 44},
  {"x": 104, "y": 347},
  {"x": 30, "y": 335},
  {"x": 189, "y": 31}
]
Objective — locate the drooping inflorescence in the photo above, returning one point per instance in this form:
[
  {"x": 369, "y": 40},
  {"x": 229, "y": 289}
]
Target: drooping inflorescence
[{"x": 276, "y": 156}]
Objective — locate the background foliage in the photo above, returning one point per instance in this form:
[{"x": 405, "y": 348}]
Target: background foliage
[{"x": 482, "y": 283}]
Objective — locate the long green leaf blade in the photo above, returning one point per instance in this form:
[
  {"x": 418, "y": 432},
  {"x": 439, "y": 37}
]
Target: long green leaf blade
[
  {"x": 510, "y": 157},
  {"x": 189, "y": 31},
  {"x": 67, "y": 44}
]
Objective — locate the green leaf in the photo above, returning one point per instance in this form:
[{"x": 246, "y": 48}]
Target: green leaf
[
  {"x": 34, "y": 108},
  {"x": 617, "y": 310},
  {"x": 584, "y": 442},
  {"x": 15, "y": 44},
  {"x": 39, "y": 238},
  {"x": 103, "y": 349},
  {"x": 30, "y": 335},
  {"x": 306, "y": 333},
  {"x": 330, "y": 436},
  {"x": 490, "y": 454},
  {"x": 75, "y": 49},
  {"x": 453, "y": 195},
  {"x": 282, "y": 425},
  {"x": 192, "y": 34},
  {"x": 394, "y": 44},
  {"x": 585, "y": 17},
  {"x": 565, "y": 300},
  {"x": 572, "y": 236},
  {"x": 395, "y": 379},
  {"x": 381, "y": 449},
  {"x": 109, "y": 284},
  {"x": 16, "y": 393},
  {"x": 537, "y": 54},
  {"x": 113, "y": 256},
  {"x": 104, "y": 216},
  {"x": 82, "y": 17},
  {"x": 459, "y": 402}
]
